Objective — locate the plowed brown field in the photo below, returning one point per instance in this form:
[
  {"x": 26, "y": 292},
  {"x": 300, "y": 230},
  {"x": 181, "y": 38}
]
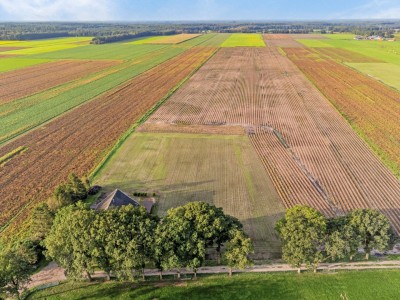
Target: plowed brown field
[
  {"x": 313, "y": 156},
  {"x": 370, "y": 106},
  {"x": 30, "y": 80},
  {"x": 78, "y": 140}
]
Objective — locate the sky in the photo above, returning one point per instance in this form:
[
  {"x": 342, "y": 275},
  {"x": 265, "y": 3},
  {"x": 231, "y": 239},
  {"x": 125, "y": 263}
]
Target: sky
[{"x": 195, "y": 10}]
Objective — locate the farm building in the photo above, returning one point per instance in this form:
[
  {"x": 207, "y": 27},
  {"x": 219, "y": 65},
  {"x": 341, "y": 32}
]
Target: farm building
[{"x": 116, "y": 199}]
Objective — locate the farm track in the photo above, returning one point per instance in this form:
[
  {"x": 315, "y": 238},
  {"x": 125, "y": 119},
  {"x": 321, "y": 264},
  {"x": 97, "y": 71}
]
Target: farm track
[
  {"x": 31, "y": 80},
  {"x": 77, "y": 140},
  {"x": 317, "y": 160}
]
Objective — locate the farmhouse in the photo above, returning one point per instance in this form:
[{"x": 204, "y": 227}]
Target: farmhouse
[{"x": 116, "y": 199}]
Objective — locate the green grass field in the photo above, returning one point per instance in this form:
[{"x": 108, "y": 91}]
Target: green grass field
[
  {"x": 223, "y": 170},
  {"x": 385, "y": 72},
  {"x": 369, "y": 284},
  {"x": 21, "y": 115},
  {"x": 106, "y": 51},
  {"x": 383, "y": 50},
  {"x": 13, "y": 63},
  {"x": 388, "y": 52},
  {"x": 244, "y": 40}
]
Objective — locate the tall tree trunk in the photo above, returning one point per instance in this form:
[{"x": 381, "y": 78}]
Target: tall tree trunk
[
  {"x": 108, "y": 276},
  {"x": 298, "y": 270},
  {"x": 351, "y": 257},
  {"x": 195, "y": 273},
  {"x": 160, "y": 274},
  {"x": 230, "y": 271},
  {"x": 366, "y": 255},
  {"x": 88, "y": 275},
  {"x": 143, "y": 276},
  {"x": 179, "y": 274}
]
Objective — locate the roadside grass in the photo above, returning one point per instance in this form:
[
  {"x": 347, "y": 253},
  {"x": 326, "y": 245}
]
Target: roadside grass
[
  {"x": 366, "y": 284},
  {"x": 244, "y": 40},
  {"x": 222, "y": 170}
]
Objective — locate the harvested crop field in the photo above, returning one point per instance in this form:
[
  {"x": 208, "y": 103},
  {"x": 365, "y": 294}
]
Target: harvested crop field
[
  {"x": 78, "y": 140},
  {"x": 312, "y": 155},
  {"x": 4, "y": 49},
  {"x": 222, "y": 170},
  {"x": 169, "y": 39},
  {"x": 281, "y": 40},
  {"x": 372, "y": 108},
  {"x": 182, "y": 128},
  {"x": 30, "y": 80}
]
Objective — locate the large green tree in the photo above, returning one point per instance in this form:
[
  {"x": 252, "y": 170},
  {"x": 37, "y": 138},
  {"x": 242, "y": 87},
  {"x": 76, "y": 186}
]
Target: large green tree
[
  {"x": 124, "y": 240},
  {"x": 179, "y": 241},
  {"x": 69, "y": 241},
  {"x": 41, "y": 222},
  {"x": 302, "y": 231},
  {"x": 238, "y": 250},
  {"x": 16, "y": 266},
  {"x": 370, "y": 229}
]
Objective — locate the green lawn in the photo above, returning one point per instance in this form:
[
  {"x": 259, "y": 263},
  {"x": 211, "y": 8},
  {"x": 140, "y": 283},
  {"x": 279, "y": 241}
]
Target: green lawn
[
  {"x": 244, "y": 40},
  {"x": 369, "y": 284},
  {"x": 222, "y": 170}
]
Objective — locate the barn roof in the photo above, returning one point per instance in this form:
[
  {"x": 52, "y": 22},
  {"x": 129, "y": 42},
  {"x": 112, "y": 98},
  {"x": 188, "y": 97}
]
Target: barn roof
[{"x": 116, "y": 199}]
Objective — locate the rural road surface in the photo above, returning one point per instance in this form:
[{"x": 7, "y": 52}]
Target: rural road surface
[{"x": 52, "y": 273}]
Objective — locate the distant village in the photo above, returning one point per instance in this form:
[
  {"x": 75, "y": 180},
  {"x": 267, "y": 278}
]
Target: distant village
[{"x": 374, "y": 38}]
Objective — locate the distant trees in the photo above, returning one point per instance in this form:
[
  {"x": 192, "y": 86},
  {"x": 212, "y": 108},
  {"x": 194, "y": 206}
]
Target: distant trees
[
  {"x": 122, "y": 241},
  {"x": 309, "y": 238}
]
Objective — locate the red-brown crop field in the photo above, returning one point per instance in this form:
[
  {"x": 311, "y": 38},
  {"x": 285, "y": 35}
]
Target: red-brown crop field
[
  {"x": 30, "y": 80},
  {"x": 78, "y": 140},
  {"x": 311, "y": 153},
  {"x": 4, "y": 49},
  {"x": 370, "y": 106},
  {"x": 343, "y": 55},
  {"x": 282, "y": 40}
]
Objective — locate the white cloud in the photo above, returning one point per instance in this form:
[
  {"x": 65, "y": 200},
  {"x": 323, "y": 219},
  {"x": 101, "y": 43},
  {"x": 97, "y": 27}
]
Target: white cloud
[
  {"x": 58, "y": 10},
  {"x": 373, "y": 9}
]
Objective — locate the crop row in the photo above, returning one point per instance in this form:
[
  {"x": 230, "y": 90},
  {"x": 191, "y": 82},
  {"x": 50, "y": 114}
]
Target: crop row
[
  {"x": 311, "y": 153},
  {"x": 21, "y": 115},
  {"x": 27, "y": 81},
  {"x": 79, "y": 139}
]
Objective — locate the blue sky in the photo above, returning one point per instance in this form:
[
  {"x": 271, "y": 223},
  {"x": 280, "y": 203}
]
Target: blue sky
[{"x": 160, "y": 10}]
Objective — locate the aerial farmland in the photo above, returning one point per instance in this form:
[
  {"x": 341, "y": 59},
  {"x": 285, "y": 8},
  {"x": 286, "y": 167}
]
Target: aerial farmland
[
  {"x": 253, "y": 123},
  {"x": 78, "y": 100}
]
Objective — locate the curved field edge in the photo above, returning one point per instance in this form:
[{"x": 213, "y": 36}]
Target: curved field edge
[
  {"x": 83, "y": 158},
  {"x": 331, "y": 285}
]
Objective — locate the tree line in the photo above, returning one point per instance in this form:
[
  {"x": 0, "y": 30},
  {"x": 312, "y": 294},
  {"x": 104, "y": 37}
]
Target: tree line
[
  {"x": 112, "y": 31},
  {"x": 123, "y": 241},
  {"x": 120, "y": 241},
  {"x": 309, "y": 238}
]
